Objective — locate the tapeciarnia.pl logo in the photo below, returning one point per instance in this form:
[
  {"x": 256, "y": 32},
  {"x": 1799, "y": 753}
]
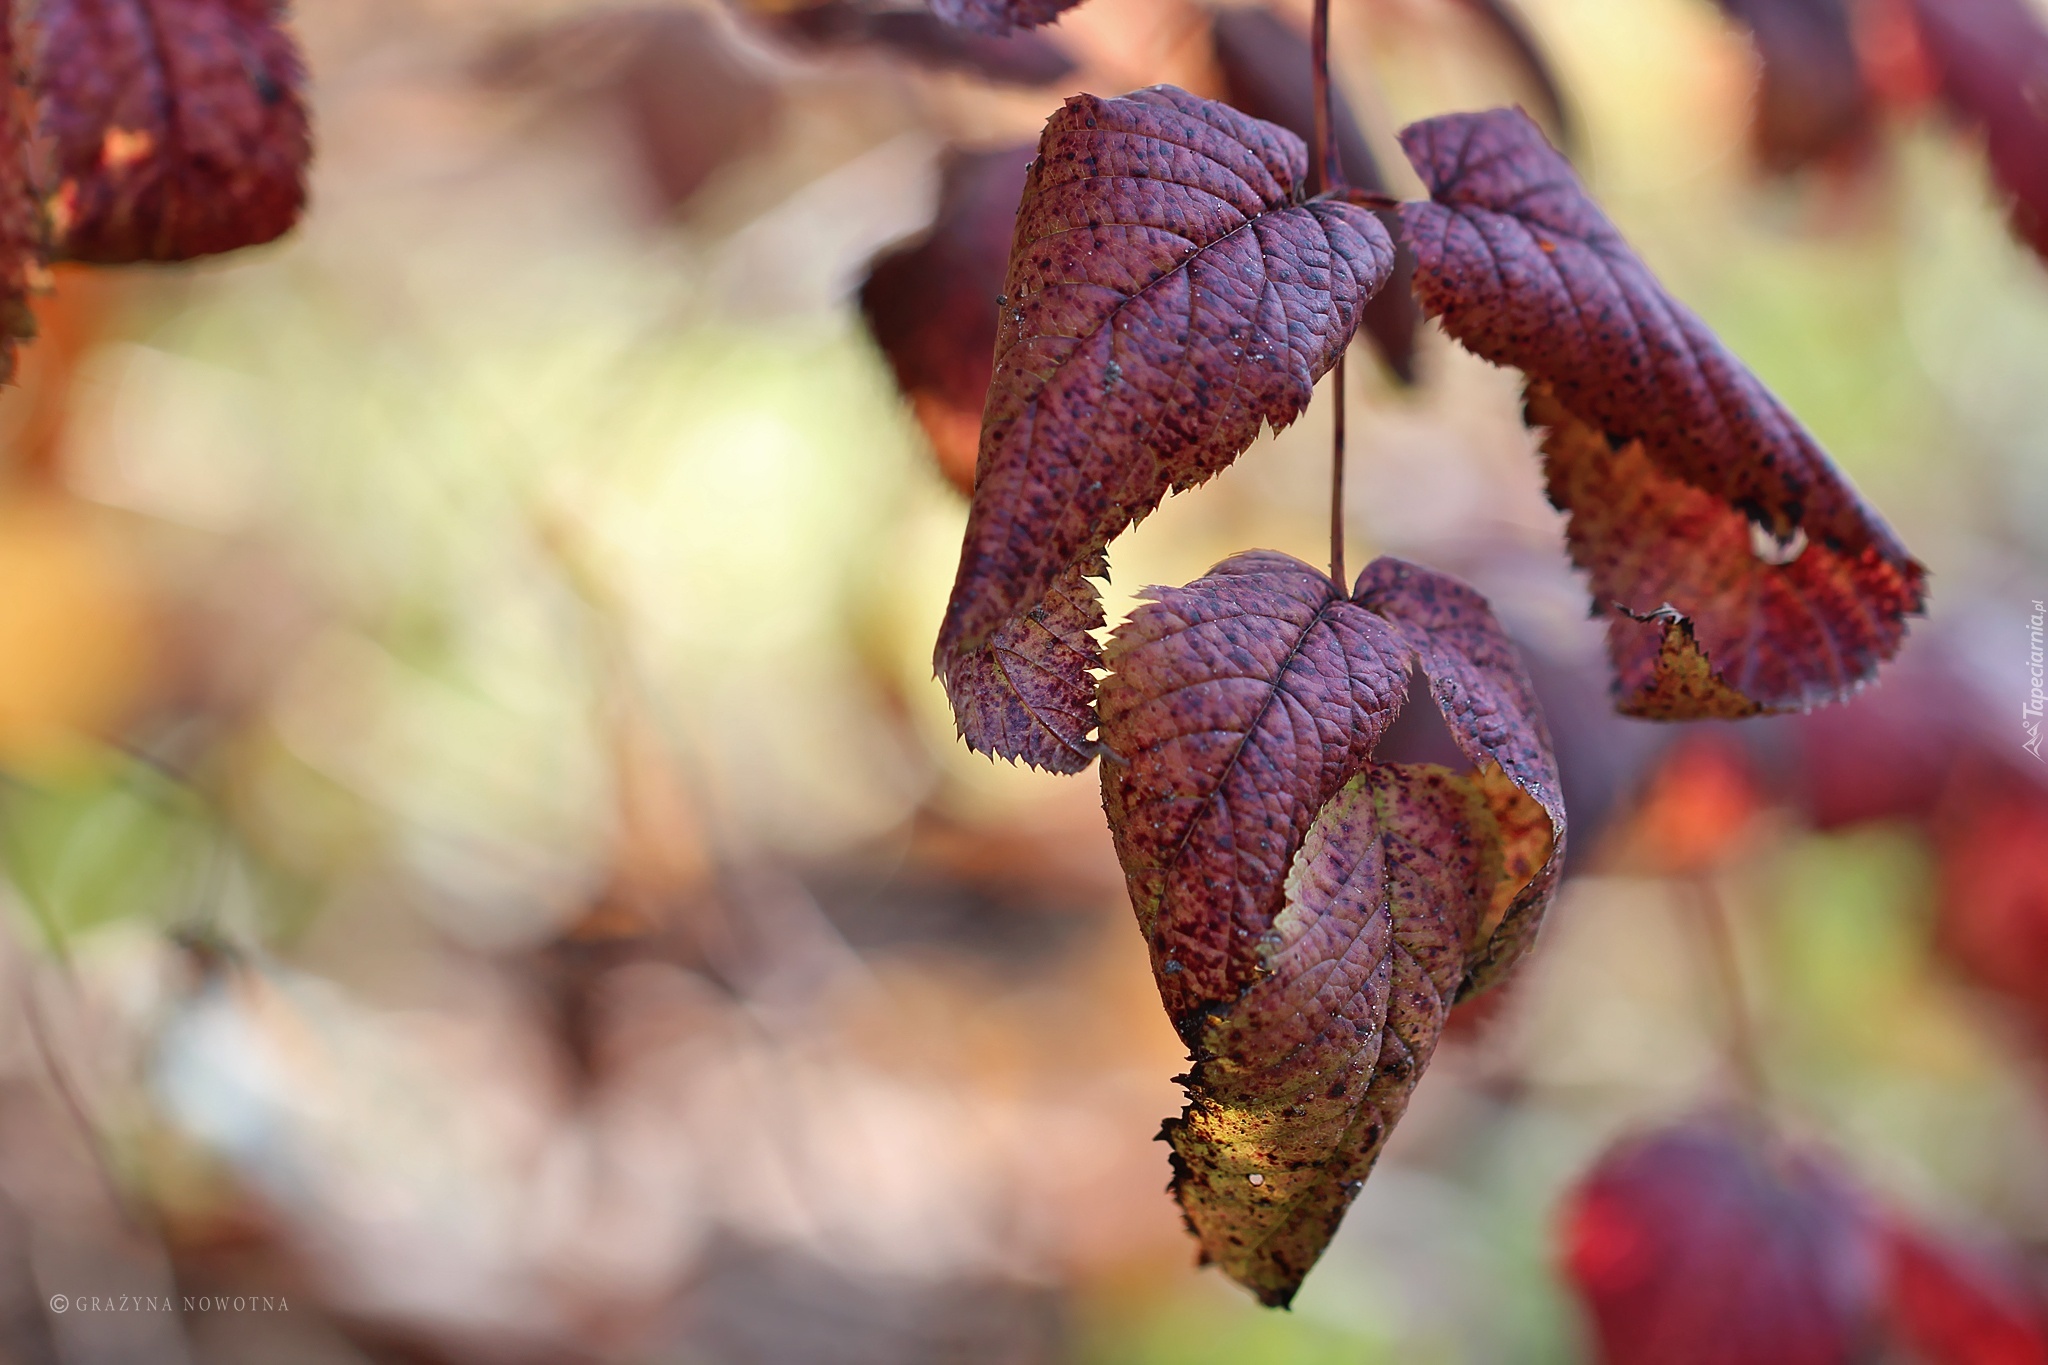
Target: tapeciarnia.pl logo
[{"x": 2037, "y": 697}]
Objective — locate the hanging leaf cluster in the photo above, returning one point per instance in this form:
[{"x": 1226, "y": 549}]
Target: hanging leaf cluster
[{"x": 1173, "y": 282}]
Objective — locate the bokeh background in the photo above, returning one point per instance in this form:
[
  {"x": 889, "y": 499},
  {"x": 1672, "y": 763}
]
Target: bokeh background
[{"x": 487, "y": 866}]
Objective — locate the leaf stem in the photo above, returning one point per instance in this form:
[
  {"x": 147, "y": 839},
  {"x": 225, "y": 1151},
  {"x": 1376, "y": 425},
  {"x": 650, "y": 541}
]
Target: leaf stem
[
  {"x": 1745, "y": 1054},
  {"x": 1337, "y": 481},
  {"x": 1325, "y": 175},
  {"x": 1323, "y": 172}
]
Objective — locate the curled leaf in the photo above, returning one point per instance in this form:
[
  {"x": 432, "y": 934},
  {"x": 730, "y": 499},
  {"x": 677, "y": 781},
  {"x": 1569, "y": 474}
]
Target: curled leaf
[
  {"x": 1699, "y": 625},
  {"x": 1297, "y": 1086},
  {"x": 177, "y": 127},
  {"x": 1811, "y": 98},
  {"x": 1713, "y": 1243},
  {"x": 1490, "y": 708},
  {"x": 1262, "y": 57},
  {"x": 930, "y": 304},
  {"x": 1689, "y": 486},
  {"x": 1311, "y": 917},
  {"x": 1991, "y": 57},
  {"x": 1168, "y": 291}
]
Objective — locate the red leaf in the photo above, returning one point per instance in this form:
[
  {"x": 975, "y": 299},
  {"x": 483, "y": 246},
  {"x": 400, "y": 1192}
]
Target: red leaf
[
  {"x": 1711, "y": 1243},
  {"x": 1689, "y": 485},
  {"x": 931, "y": 303},
  {"x": 1029, "y": 692},
  {"x": 1994, "y": 882},
  {"x": 1028, "y": 59},
  {"x": 176, "y": 126},
  {"x": 1235, "y": 707},
  {"x": 1992, "y": 56},
  {"x": 20, "y": 233},
  {"x": 1888, "y": 752},
  {"x": 1811, "y": 100},
  {"x": 1273, "y": 895},
  {"x": 1168, "y": 291},
  {"x": 998, "y": 17},
  {"x": 1957, "y": 1305},
  {"x": 1262, "y": 57}
]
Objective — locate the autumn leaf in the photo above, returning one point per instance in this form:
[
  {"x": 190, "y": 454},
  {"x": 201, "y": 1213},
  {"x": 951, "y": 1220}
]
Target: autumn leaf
[
  {"x": 998, "y": 17},
  {"x": 1029, "y": 692},
  {"x": 1811, "y": 98},
  {"x": 176, "y": 127},
  {"x": 1262, "y": 57},
  {"x": 1690, "y": 488},
  {"x": 1889, "y": 752},
  {"x": 1713, "y": 1242},
  {"x": 688, "y": 97},
  {"x": 1486, "y": 701},
  {"x": 1994, "y": 880},
  {"x": 1716, "y": 1242},
  {"x": 1310, "y": 917},
  {"x": 1026, "y": 59},
  {"x": 1169, "y": 290},
  {"x": 930, "y": 304},
  {"x": 1960, "y": 1304},
  {"x": 1297, "y": 1085},
  {"x": 1991, "y": 57}
]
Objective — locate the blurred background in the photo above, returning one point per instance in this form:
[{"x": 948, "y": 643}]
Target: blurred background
[{"x": 489, "y": 876}]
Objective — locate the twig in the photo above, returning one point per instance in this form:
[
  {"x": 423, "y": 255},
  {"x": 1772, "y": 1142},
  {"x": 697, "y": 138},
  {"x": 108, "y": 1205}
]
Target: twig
[{"x": 1739, "y": 1033}]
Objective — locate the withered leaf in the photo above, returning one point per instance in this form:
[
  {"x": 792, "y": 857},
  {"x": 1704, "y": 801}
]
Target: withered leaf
[
  {"x": 1699, "y": 625},
  {"x": 177, "y": 128},
  {"x": 930, "y": 304},
  {"x": 1028, "y": 59},
  {"x": 1272, "y": 894},
  {"x": 1168, "y": 291},
  {"x": 1992, "y": 61},
  {"x": 1714, "y": 1243},
  {"x": 1811, "y": 99},
  {"x": 1689, "y": 486},
  {"x": 998, "y": 17},
  {"x": 1298, "y": 1083},
  {"x": 1262, "y": 57}
]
